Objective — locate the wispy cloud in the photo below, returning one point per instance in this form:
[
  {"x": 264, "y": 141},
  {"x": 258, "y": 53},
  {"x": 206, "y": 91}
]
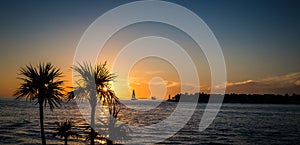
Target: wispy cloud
[
  {"x": 172, "y": 84},
  {"x": 239, "y": 83},
  {"x": 281, "y": 84},
  {"x": 288, "y": 83},
  {"x": 297, "y": 83}
]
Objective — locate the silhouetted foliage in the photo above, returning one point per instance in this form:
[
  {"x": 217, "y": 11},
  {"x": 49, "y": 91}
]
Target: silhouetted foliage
[
  {"x": 41, "y": 85},
  {"x": 94, "y": 85},
  {"x": 111, "y": 130},
  {"x": 64, "y": 130}
]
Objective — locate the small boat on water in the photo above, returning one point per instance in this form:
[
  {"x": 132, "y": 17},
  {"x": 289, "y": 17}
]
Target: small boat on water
[{"x": 133, "y": 96}]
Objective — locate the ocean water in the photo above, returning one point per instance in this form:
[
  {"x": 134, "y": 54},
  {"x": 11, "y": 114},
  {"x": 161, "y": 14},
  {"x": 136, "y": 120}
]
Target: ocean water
[{"x": 234, "y": 124}]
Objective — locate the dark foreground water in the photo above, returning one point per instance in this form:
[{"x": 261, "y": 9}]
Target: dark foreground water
[{"x": 235, "y": 124}]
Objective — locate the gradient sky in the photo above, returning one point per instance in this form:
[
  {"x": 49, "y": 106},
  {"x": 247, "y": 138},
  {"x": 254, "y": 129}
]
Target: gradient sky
[{"x": 260, "y": 41}]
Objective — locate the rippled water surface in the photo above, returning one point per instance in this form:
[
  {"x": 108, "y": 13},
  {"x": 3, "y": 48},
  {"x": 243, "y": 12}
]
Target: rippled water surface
[{"x": 235, "y": 123}]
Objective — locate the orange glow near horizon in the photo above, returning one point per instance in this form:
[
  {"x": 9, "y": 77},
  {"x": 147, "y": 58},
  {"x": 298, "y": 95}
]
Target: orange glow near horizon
[{"x": 142, "y": 79}]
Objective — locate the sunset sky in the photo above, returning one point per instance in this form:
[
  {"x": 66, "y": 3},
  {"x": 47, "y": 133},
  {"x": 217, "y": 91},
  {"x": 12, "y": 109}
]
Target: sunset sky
[{"x": 260, "y": 42}]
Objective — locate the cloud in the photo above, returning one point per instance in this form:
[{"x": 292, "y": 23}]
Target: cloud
[
  {"x": 239, "y": 83},
  {"x": 281, "y": 84},
  {"x": 172, "y": 84},
  {"x": 288, "y": 79},
  {"x": 288, "y": 83},
  {"x": 297, "y": 83}
]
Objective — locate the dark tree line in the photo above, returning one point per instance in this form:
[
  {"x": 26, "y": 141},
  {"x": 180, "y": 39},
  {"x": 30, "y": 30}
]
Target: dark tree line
[{"x": 241, "y": 98}]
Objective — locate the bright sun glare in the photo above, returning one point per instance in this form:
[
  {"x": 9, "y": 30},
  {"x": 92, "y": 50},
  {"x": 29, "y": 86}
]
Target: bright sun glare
[{"x": 104, "y": 89}]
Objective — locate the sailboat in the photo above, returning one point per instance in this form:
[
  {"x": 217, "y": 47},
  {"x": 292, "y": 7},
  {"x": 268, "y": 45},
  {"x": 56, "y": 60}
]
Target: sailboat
[{"x": 133, "y": 96}]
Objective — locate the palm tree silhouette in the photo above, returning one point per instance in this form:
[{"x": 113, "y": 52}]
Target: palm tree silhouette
[
  {"x": 41, "y": 84},
  {"x": 113, "y": 131},
  {"x": 64, "y": 129},
  {"x": 93, "y": 85}
]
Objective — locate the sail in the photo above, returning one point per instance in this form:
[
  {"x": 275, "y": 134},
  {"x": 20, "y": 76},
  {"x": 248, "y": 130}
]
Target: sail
[{"x": 133, "y": 96}]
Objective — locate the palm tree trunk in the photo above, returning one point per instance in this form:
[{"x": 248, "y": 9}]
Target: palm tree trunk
[
  {"x": 93, "y": 109},
  {"x": 42, "y": 124},
  {"x": 66, "y": 140}
]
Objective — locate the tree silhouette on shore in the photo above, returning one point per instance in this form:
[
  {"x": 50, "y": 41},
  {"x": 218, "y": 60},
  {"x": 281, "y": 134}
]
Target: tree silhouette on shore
[
  {"x": 41, "y": 84},
  {"x": 241, "y": 98},
  {"x": 64, "y": 130},
  {"x": 94, "y": 85},
  {"x": 112, "y": 130}
]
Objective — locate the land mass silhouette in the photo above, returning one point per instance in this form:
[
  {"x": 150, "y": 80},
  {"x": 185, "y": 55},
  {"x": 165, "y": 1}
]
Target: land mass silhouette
[{"x": 240, "y": 98}]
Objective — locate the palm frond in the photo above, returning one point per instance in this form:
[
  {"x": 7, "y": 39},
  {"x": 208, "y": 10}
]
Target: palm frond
[
  {"x": 41, "y": 84},
  {"x": 92, "y": 82},
  {"x": 64, "y": 129}
]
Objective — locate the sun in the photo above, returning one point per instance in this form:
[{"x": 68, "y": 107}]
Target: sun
[{"x": 104, "y": 89}]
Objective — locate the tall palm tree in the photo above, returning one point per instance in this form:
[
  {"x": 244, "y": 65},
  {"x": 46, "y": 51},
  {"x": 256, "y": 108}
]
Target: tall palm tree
[
  {"x": 64, "y": 129},
  {"x": 94, "y": 85},
  {"x": 41, "y": 84}
]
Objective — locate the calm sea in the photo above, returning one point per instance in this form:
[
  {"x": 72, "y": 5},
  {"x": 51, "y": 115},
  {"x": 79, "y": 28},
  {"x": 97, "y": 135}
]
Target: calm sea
[{"x": 235, "y": 123}]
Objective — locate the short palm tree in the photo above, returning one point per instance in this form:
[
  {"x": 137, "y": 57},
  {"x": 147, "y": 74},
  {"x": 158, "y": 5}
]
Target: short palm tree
[
  {"x": 94, "y": 85},
  {"x": 41, "y": 84},
  {"x": 64, "y": 130},
  {"x": 113, "y": 131}
]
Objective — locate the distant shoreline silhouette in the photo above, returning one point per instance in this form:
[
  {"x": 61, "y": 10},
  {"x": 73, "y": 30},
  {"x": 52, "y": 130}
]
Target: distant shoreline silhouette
[{"x": 240, "y": 98}]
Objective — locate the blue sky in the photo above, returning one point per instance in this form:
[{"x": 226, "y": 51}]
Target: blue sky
[{"x": 260, "y": 39}]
